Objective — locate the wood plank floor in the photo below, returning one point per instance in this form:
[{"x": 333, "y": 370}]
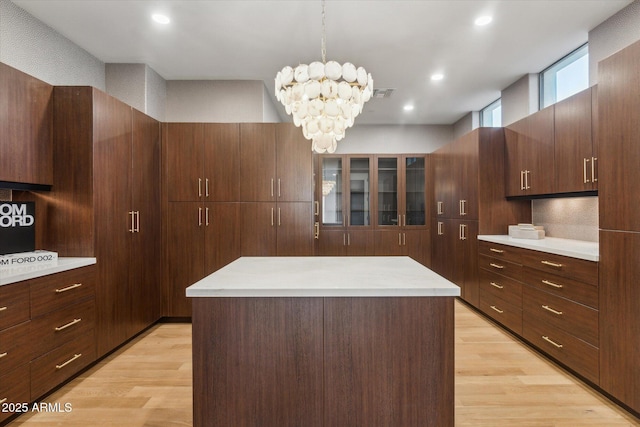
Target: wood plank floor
[{"x": 499, "y": 382}]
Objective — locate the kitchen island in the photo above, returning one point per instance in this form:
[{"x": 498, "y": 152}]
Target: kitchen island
[{"x": 323, "y": 341}]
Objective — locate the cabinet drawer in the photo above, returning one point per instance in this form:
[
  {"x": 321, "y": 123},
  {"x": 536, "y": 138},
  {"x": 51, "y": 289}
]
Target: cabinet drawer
[
  {"x": 567, "y": 349},
  {"x": 14, "y": 387},
  {"x": 583, "y": 293},
  {"x": 501, "y": 311},
  {"x": 53, "y": 292},
  {"x": 577, "y": 269},
  {"x": 15, "y": 347},
  {"x": 57, "y": 366},
  {"x": 573, "y": 318},
  {"x": 496, "y": 250},
  {"x": 14, "y": 304},
  {"x": 56, "y": 328},
  {"x": 502, "y": 287},
  {"x": 500, "y": 266}
]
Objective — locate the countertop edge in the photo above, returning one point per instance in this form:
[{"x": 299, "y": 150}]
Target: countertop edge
[
  {"x": 322, "y": 293},
  {"x": 579, "y": 249},
  {"x": 64, "y": 264}
]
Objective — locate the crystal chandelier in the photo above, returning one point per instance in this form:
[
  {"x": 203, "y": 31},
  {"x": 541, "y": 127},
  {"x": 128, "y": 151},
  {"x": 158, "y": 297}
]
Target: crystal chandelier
[{"x": 324, "y": 97}]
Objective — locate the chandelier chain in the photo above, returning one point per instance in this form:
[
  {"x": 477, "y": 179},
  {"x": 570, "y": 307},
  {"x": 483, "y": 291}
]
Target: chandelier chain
[{"x": 324, "y": 41}]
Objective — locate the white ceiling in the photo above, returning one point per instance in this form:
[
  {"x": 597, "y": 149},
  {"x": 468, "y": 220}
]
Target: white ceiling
[{"x": 401, "y": 43}]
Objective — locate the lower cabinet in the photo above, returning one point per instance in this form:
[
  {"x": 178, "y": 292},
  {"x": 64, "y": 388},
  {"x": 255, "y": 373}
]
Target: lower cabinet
[
  {"x": 412, "y": 243},
  {"x": 346, "y": 243},
  {"x": 454, "y": 255},
  {"x": 47, "y": 334},
  {"x": 549, "y": 300}
]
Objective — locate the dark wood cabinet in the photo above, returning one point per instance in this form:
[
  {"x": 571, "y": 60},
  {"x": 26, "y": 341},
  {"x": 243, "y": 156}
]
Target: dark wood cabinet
[
  {"x": 258, "y": 167},
  {"x": 26, "y": 114},
  {"x": 575, "y": 156},
  {"x": 346, "y": 243},
  {"x": 530, "y": 150},
  {"x": 105, "y": 203}
]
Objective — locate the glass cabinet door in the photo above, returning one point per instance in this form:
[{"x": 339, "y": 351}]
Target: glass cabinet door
[
  {"x": 359, "y": 197},
  {"x": 332, "y": 191},
  {"x": 387, "y": 191},
  {"x": 415, "y": 191}
]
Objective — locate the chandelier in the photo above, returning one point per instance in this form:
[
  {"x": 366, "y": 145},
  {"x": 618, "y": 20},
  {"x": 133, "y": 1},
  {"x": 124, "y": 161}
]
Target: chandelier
[{"x": 323, "y": 97}]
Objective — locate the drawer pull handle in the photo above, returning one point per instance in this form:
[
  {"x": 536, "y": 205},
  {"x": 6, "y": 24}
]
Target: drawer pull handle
[
  {"x": 546, "y": 307},
  {"x": 3, "y": 400},
  {"x": 75, "y": 356},
  {"x": 495, "y": 285},
  {"x": 3, "y": 354},
  {"x": 551, "y": 264},
  {"x": 547, "y": 339},
  {"x": 63, "y": 327},
  {"x": 68, "y": 288},
  {"x": 496, "y": 266},
  {"x": 498, "y": 251},
  {"x": 3, "y": 308},
  {"x": 555, "y": 285},
  {"x": 497, "y": 309}
]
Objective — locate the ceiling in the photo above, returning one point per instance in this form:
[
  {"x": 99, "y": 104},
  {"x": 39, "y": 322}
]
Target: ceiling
[{"x": 401, "y": 43}]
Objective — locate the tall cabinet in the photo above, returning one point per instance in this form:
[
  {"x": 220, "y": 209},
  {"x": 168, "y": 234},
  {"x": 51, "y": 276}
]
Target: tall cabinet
[
  {"x": 468, "y": 200},
  {"x": 105, "y": 202},
  {"x": 619, "y": 153}
]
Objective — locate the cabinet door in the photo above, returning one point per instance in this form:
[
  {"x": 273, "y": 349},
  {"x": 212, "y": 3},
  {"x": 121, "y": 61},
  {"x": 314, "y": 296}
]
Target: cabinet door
[
  {"x": 538, "y": 147},
  {"x": 465, "y": 203},
  {"x": 514, "y": 170},
  {"x": 258, "y": 166},
  {"x": 222, "y": 235},
  {"x": 221, "y": 148},
  {"x": 359, "y": 191},
  {"x": 26, "y": 114},
  {"x": 360, "y": 242},
  {"x": 294, "y": 165},
  {"x": 258, "y": 222},
  {"x": 573, "y": 143},
  {"x": 332, "y": 243},
  {"x": 387, "y": 191},
  {"x": 619, "y": 134},
  {"x": 332, "y": 183},
  {"x": 465, "y": 259},
  {"x": 145, "y": 302},
  {"x": 414, "y": 191},
  {"x": 113, "y": 226},
  {"x": 294, "y": 229},
  {"x": 184, "y": 157},
  {"x": 441, "y": 177},
  {"x": 442, "y": 250},
  {"x": 619, "y": 316},
  {"x": 185, "y": 256},
  {"x": 389, "y": 243},
  {"x": 417, "y": 245}
]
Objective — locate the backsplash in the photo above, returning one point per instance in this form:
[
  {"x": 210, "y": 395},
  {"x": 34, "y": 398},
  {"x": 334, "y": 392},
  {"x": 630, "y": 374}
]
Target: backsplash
[{"x": 569, "y": 218}]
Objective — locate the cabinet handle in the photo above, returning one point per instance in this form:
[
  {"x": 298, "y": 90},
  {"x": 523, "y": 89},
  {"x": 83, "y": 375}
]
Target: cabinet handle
[
  {"x": 547, "y": 339},
  {"x": 594, "y": 178},
  {"x": 495, "y": 285},
  {"x": 317, "y": 206},
  {"x": 199, "y": 217},
  {"x": 132, "y": 229},
  {"x": 526, "y": 180},
  {"x": 76, "y": 356},
  {"x": 584, "y": 170},
  {"x": 3, "y": 400},
  {"x": 206, "y": 217},
  {"x": 348, "y": 239},
  {"x": 68, "y": 288},
  {"x": 272, "y": 216},
  {"x": 404, "y": 220},
  {"x": 65, "y": 326},
  {"x": 278, "y": 217},
  {"x": 521, "y": 180},
  {"x": 271, "y": 187},
  {"x": 440, "y": 210},
  {"x": 551, "y": 264},
  {"x": 498, "y": 251},
  {"x": 3, "y": 354},
  {"x": 404, "y": 239},
  {"x": 399, "y": 239},
  {"x": 463, "y": 207},
  {"x": 546, "y": 307},
  {"x": 344, "y": 239},
  {"x": 137, "y": 228},
  {"x": 440, "y": 233},
  {"x": 555, "y": 285},
  {"x": 497, "y": 309},
  {"x": 496, "y": 266},
  {"x": 316, "y": 229},
  {"x": 206, "y": 187},
  {"x": 279, "y": 187},
  {"x": 5, "y": 307},
  {"x": 464, "y": 231},
  {"x": 199, "y": 187}
]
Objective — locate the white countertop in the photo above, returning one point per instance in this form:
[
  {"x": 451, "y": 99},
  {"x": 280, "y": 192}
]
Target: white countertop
[
  {"x": 589, "y": 251},
  {"x": 33, "y": 272},
  {"x": 323, "y": 277}
]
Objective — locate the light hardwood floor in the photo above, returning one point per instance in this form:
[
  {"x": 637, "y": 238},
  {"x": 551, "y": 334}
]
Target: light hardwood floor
[{"x": 499, "y": 382}]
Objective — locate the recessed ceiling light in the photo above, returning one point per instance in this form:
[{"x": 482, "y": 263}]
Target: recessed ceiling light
[
  {"x": 483, "y": 20},
  {"x": 160, "y": 19},
  {"x": 437, "y": 76},
  {"x": 408, "y": 107}
]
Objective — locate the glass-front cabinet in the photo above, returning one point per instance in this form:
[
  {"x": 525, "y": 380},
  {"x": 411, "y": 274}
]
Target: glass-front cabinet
[{"x": 401, "y": 191}]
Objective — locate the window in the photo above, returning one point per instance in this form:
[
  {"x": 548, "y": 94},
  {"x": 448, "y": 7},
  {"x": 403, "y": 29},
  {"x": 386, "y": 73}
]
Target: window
[
  {"x": 491, "y": 115},
  {"x": 566, "y": 77}
]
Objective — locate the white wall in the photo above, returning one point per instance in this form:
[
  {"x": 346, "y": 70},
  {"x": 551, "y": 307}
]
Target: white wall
[
  {"x": 139, "y": 86},
  {"x": 383, "y": 139}
]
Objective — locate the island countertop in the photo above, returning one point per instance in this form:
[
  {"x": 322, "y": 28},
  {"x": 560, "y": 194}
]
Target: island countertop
[{"x": 324, "y": 277}]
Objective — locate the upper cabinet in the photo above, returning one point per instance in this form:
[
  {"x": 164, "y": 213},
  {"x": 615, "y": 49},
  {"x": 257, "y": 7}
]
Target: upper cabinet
[
  {"x": 530, "y": 155},
  {"x": 575, "y": 155},
  {"x": 26, "y": 116}
]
